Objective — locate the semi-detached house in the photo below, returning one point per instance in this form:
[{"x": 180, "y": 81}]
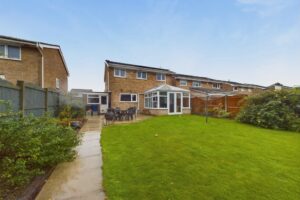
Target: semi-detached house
[
  {"x": 34, "y": 62},
  {"x": 160, "y": 91}
]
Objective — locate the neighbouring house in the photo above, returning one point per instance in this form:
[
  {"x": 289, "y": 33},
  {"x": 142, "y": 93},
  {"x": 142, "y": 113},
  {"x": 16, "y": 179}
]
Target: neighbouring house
[
  {"x": 96, "y": 101},
  {"x": 278, "y": 86},
  {"x": 160, "y": 91},
  {"x": 78, "y": 93},
  {"x": 34, "y": 62},
  {"x": 203, "y": 83}
]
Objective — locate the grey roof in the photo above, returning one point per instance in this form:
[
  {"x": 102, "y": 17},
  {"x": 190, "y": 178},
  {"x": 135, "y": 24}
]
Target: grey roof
[
  {"x": 211, "y": 92},
  {"x": 167, "y": 88},
  {"x": 80, "y": 90},
  {"x": 137, "y": 67},
  {"x": 205, "y": 79}
]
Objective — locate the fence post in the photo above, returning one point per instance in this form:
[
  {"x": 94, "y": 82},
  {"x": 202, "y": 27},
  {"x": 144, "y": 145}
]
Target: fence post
[
  {"x": 226, "y": 103},
  {"x": 21, "y": 84},
  {"x": 46, "y": 99}
]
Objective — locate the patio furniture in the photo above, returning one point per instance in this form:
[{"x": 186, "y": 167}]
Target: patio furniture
[{"x": 109, "y": 116}]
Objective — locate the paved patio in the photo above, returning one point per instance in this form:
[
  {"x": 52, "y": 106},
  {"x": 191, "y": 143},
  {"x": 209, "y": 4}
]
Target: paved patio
[{"x": 81, "y": 178}]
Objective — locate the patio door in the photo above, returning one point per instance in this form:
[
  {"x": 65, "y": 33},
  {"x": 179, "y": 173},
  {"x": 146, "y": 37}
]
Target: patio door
[{"x": 175, "y": 103}]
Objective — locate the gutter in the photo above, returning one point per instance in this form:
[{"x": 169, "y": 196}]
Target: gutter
[{"x": 38, "y": 45}]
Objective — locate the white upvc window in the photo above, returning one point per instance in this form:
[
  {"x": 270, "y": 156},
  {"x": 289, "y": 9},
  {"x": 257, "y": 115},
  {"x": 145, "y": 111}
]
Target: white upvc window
[
  {"x": 57, "y": 83},
  {"x": 141, "y": 75},
  {"x": 186, "y": 100},
  {"x": 217, "y": 85},
  {"x": 2, "y": 76},
  {"x": 196, "y": 84},
  {"x": 119, "y": 72},
  {"x": 160, "y": 77},
  {"x": 93, "y": 99},
  {"x": 10, "y": 52},
  {"x": 235, "y": 88},
  {"x": 128, "y": 97},
  {"x": 183, "y": 82}
]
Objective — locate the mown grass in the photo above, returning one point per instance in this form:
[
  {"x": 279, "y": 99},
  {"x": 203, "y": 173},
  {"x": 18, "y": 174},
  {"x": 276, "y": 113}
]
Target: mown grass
[{"x": 181, "y": 157}]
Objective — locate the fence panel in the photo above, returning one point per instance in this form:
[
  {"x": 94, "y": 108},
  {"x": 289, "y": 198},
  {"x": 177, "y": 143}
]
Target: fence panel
[
  {"x": 29, "y": 98},
  {"x": 11, "y": 93},
  {"x": 34, "y": 101},
  {"x": 53, "y": 103},
  {"x": 232, "y": 104}
]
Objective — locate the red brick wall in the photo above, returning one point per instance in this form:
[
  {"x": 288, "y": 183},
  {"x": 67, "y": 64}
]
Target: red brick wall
[
  {"x": 131, "y": 84},
  {"x": 54, "y": 68},
  {"x": 27, "y": 69}
]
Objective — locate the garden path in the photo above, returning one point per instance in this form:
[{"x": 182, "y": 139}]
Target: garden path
[{"x": 81, "y": 178}]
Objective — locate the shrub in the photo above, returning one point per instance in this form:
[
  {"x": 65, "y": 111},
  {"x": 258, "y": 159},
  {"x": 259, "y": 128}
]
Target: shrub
[
  {"x": 30, "y": 145},
  {"x": 273, "y": 109}
]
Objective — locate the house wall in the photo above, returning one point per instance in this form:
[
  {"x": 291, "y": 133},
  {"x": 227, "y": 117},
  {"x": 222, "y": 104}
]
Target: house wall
[
  {"x": 28, "y": 69},
  {"x": 130, "y": 84},
  {"x": 54, "y": 68},
  {"x": 204, "y": 84}
]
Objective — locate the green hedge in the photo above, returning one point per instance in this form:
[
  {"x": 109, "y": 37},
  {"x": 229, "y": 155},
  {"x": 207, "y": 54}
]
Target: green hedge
[
  {"x": 29, "y": 146},
  {"x": 273, "y": 109}
]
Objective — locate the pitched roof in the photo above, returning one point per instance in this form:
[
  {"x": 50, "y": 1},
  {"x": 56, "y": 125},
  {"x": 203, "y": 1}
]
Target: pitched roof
[
  {"x": 35, "y": 44},
  {"x": 205, "y": 79},
  {"x": 167, "y": 88},
  {"x": 137, "y": 67}
]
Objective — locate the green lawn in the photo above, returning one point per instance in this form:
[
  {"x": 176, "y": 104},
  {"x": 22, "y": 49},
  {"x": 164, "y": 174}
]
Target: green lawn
[{"x": 181, "y": 157}]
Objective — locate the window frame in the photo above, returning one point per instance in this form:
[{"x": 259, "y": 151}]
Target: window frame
[
  {"x": 6, "y": 52},
  {"x": 193, "y": 84},
  {"x": 218, "y": 86},
  {"x": 131, "y": 97},
  {"x": 185, "y": 81},
  {"x": 141, "y": 78},
  {"x": 186, "y": 95},
  {"x": 119, "y": 76},
  {"x": 235, "y": 88},
  {"x": 160, "y": 75}
]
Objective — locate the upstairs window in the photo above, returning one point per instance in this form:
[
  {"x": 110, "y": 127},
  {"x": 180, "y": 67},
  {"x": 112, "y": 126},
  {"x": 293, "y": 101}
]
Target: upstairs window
[
  {"x": 120, "y": 73},
  {"x": 235, "y": 88},
  {"x": 196, "y": 84},
  {"x": 128, "y": 97},
  {"x": 10, "y": 52},
  {"x": 217, "y": 85},
  {"x": 160, "y": 77},
  {"x": 183, "y": 83},
  {"x": 141, "y": 75}
]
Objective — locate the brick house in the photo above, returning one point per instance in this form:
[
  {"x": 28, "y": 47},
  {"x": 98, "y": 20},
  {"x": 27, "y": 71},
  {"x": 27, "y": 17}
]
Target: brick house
[
  {"x": 33, "y": 62},
  {"x": 161, "y": 91}
]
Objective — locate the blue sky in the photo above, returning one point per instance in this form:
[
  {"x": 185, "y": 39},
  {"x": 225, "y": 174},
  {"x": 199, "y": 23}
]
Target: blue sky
[{"x": 252, "y": 41}]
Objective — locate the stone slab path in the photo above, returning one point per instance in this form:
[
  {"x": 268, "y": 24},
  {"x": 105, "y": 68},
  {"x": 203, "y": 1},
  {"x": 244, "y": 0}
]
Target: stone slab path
[{"x": 81, "y": 178}]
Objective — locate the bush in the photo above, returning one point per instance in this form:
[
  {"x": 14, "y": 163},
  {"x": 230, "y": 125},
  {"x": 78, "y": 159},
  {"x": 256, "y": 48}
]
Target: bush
[
  {"x": 31, "y": 145},
  {"x": 273, "y": 109},
  {"x": 71, "y": 109}
]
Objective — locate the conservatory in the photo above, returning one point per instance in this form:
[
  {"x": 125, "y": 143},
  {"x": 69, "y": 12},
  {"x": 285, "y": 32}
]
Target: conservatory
[{"x": 167, "y": 100}]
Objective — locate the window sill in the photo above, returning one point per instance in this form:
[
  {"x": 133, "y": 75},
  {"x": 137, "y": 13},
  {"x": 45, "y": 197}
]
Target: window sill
[
  {"x": 14, "y": 59},
  {"x": 119, "y": 76}
]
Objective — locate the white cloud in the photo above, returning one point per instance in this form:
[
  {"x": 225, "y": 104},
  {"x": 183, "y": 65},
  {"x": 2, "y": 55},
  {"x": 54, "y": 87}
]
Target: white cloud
[{"x": 265, "y": 8}]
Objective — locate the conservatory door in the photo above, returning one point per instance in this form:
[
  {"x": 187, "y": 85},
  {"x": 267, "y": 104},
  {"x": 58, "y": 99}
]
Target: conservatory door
[{"x": 175, "y": 103}]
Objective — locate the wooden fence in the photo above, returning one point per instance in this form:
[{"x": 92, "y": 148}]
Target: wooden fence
[
  {"x": 29, "y": 99},
  {"x": 231, "y": 104}
]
